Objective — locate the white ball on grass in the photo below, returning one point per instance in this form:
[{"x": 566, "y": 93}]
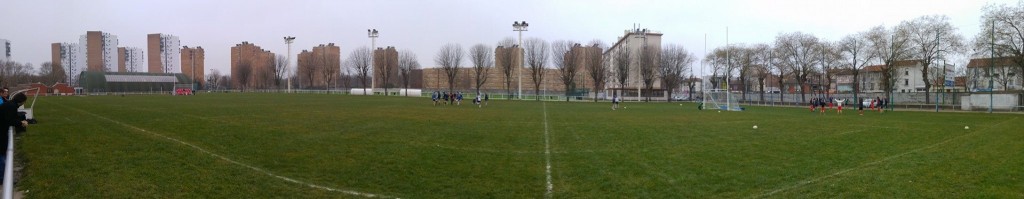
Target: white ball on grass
[
  {"x": 719, "y": 111},
  {"x": 755, "y": 126},
  {"x": 966, "y": 127}
]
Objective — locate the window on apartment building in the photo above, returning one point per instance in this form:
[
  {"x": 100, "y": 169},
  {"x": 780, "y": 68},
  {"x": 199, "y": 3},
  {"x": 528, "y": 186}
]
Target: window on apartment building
[
  {"x": 906, "y": 72},
  {"x": 906, "y": 82}
]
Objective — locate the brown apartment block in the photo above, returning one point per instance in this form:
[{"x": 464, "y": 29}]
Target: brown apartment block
[
  {"x": 385, "y": 60},
  {"x": 153, "y": 56},
  {"x": 319, "y": 68},
  {"x": 121, "y": 63},
  {"x": 435, "y": 78},
  {"x": 94, "y": 51},
  {"x": 193, "y": 58},
  {"x": 55, "y": 59},
  {"x": 253, "y": 66}
]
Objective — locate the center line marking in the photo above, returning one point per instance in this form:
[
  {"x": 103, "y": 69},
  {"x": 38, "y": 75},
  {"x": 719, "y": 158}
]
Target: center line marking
[{"x": 547, "y": 152}]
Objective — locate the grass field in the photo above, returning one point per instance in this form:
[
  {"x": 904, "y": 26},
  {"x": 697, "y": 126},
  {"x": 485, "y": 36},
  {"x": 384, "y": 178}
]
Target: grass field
[{"x": 330, "y": 146}]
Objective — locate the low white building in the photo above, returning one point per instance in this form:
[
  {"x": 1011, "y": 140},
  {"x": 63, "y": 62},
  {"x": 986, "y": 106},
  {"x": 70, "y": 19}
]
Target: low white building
[{"x": 1004, "y": 74}]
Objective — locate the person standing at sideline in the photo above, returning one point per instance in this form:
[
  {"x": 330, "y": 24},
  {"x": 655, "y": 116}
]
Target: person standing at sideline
[
  {"x": 4, "y": 93},
  {"x": 10, "y": 118}
]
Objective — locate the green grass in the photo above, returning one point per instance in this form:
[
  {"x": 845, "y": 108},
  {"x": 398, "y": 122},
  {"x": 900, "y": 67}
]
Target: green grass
[{"x": 118, "y": 147}]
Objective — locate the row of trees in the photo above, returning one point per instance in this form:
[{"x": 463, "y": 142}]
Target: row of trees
[
  {"x": 928, "y": 40},
  {"x": 800, "y": 56},
  {"x": 13, "y": 73},
  {"x": 572, "y": 61}
]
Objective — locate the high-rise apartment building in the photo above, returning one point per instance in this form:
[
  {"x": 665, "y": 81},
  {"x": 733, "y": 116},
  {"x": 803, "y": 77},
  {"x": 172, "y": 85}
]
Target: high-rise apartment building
[
  {"x": 251, "y": 67},
  {"x": 100, "y": 50},
  {"x": 320, "y": 67},
  {"x": 634, "y": 42},
  {"x": 131, "y": 59},
  {"x": 385, "y": 60},
  {"x": 164, "y": 53},
  {"x": 192, "y": 63},
  {"x": 70, "y": 58}
]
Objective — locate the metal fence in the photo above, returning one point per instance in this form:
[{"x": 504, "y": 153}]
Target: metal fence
[{"x": 9, "y": 166}]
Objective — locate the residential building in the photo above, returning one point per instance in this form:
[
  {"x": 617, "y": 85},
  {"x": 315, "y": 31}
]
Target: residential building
[
  {"x": 517, "y": 71},
  {"x": 131, "y": 59},
  {"x": 906, "y": 77},
  {"x": 69, "y": 58},
  {"x": 636, "y": 42},
  {"x": 164, "y": 53},
  {"x": 100, "y": 51},
  {"x": 193, "y": 63},
  {"x": 1003, "y": 73},
  {"x": 251, "y": 67},
  {"x": 320, "y": 67},
  {"x": 386, "y": 59},
  {"x": 5, "y": 50},
  {"x": 582, "y": 81}
]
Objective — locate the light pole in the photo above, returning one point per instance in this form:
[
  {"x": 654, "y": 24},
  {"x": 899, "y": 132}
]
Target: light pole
[
  {"x": 520, "y": 27},
  {"x": 288, "y": 62},
  {"x": 372, "y": 33}
]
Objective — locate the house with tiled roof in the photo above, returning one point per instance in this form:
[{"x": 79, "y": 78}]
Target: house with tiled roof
[{"x": 1005, "y": 74}]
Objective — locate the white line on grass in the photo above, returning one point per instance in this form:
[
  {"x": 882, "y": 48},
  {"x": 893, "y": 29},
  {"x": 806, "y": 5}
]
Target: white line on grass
[
  {"x": 350, "y": 192},
  {"x": 547, "y": 152},
  {"x": 813, "y": 180}
]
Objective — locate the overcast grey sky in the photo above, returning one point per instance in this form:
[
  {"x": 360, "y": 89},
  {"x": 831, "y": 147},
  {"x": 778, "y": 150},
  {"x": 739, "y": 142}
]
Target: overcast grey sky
[{"x": 424, "y": 26}]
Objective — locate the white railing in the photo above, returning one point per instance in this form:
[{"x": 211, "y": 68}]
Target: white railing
[{"x": 9, "y": 166}]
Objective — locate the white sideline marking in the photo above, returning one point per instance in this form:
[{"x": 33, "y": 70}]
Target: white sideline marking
[
  {"x": 813, "y": 180},
  {"x": 350, "y": 192},
  {"x": 547, "y": 152}
]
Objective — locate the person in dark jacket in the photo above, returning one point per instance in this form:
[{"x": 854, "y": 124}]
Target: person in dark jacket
[{"x": 10, "y": 118}]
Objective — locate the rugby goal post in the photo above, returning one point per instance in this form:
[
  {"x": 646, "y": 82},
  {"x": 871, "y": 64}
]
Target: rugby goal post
[{"x": 719, "y": 99}]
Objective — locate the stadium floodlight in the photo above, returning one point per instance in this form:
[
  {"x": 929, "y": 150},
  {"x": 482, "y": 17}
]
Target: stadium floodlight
[
  {"x": 373, "y": 34},
  {"x": 520, "y": 27},
  {"x": 288, "y": 62}
]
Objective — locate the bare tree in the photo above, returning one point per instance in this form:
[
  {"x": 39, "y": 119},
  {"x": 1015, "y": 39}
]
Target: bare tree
[
  {"x": 330, "y": 69},
  {"x": 386, "y": 64},
  {"x": 931, "y": 38},
  {"x": 449, "y": 58},
  {"x": 307, "y": 68},
  {"x": 536, "y": 57},
  {"x": 799, "y": 51},
  {"x": 280, "y": 69},
  {"x": 1002, "y": 33},
  {"x": 567, "y": 59},
  {"x": 213, "y": 80},
  {"x": 830, "y": 59},
  {"x": 855, "y": 50},
  {"x": 672, "y": 66},
  {"x": 621, "y": 58},
  {"x": 483, "y": 60},
  {"x": 596, "y": 66},
  {"x": 406, "y": 64},
  {"x": 244, "y": 74},
  {"x": 762, "y": 59},
  {"x": 359, "y": 60},
  {"x": 744, "y": 61},
  {"x": 508, "y": 59},
  {"x": 648, "y": 68},
  {"x": 890, "y": 46}
]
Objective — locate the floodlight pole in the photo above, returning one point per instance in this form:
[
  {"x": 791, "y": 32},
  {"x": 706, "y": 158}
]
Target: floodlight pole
[
  {"x": 373, "y": 34},
  {"x": 992, "y": 64},
  {"x": 520, "y": 27},
  {"x": 288, "y": 62}
]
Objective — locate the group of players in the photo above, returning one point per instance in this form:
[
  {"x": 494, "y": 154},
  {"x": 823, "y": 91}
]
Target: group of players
[
  {"x": 455, "y": 98},
  {"x": 821, "y": 104}
]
